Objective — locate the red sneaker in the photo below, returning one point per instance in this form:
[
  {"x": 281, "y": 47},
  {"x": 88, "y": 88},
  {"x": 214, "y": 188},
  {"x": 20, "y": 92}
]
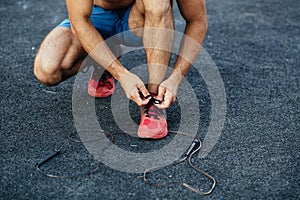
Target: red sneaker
[
  {"x": 153, "y": 123},
  {"x": 101, "y": 86}
]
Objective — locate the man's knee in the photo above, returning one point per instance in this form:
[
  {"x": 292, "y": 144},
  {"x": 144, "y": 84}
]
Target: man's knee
[
  {"x": 47, "y": 73},
  {"x": 157, "y": 8}
]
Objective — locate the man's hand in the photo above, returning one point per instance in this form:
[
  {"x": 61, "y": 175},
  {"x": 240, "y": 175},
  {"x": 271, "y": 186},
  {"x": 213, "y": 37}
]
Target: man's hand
[
  {"x": 133, "y": 88},
  {"x": 167, "y": 91}
]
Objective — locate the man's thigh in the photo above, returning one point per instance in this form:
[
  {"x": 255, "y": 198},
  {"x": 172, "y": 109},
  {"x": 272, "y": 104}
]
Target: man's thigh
[
  {"x": 60, "y": 49},
  {"x": 103, "y": 20}
]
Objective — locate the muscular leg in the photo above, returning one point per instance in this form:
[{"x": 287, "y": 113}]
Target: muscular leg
[
  {"x": 154, "y": 13},
  {"x": 59, "y": 57}
]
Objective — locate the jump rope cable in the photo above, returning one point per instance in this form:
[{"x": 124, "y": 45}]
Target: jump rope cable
[{"x": 193, "y": 149}]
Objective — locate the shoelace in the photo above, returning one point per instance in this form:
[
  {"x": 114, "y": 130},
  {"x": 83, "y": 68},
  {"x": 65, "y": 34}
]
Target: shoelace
[{"x": 151, "y": 111}]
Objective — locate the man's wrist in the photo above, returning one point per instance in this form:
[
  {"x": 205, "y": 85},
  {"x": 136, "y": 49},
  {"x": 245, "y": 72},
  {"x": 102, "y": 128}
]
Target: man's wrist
[
  {"x": 176, "y": 76},
  {"x": 117, "y": 70}
]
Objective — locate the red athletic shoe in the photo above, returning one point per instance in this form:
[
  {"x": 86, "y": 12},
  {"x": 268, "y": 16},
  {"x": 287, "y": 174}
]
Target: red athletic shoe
[
  {"x": 101, "y": 86},
  {"x": 153, "y": 123}
]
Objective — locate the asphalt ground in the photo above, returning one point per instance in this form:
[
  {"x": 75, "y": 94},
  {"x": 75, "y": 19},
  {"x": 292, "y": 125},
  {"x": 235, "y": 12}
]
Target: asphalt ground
[{"x": 255, "y": 45}]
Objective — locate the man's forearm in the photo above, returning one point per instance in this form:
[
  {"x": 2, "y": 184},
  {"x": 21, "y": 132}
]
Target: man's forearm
[
  {"x": 190, "y": 46},
  {"x": 96, "y": 47}
]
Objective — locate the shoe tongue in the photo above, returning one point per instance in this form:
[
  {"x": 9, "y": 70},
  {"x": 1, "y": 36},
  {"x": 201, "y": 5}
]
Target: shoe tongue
[
  {"x": 102, "y": 83},
  {"x": 154, "y": 95}
]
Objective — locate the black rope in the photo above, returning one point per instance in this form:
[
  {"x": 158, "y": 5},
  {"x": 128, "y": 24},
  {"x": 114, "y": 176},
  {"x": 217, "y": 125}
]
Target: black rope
[{"x": 193, "y": 149}]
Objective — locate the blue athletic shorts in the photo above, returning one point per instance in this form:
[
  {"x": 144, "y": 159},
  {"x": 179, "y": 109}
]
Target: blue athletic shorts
[{"x": 109, "y": 23}]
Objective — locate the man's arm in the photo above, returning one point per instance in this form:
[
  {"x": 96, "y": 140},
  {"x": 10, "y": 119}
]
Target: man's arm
[
  {"x": 194, "y": 13},
  {"x": 79, "y": 14}
]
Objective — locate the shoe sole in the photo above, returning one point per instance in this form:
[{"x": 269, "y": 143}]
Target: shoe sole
[
  {"x": 158, "y": 135},
  {"x": 104, "y": 95}
]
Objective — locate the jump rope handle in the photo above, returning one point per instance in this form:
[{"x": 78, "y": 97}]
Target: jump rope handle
[
  {"x": 194, "y": 146},
  {"x": 48, "y": 157}
]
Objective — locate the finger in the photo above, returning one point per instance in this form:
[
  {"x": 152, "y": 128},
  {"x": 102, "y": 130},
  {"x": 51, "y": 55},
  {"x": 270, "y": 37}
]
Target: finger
[
  {"x": 173, "y": 100},
  {"x": 166, "y": 103},
  {"x": 132, "y": 96},
  {"x": 144, "y": 91},
  {"x": 161, "y": 93},
  {"x": 146, "y": 94},
  {"x": 138, "y": 100}
]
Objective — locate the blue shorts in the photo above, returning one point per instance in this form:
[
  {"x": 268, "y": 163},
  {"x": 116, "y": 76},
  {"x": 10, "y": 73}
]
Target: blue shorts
[{"x": 110, "y": 23}]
